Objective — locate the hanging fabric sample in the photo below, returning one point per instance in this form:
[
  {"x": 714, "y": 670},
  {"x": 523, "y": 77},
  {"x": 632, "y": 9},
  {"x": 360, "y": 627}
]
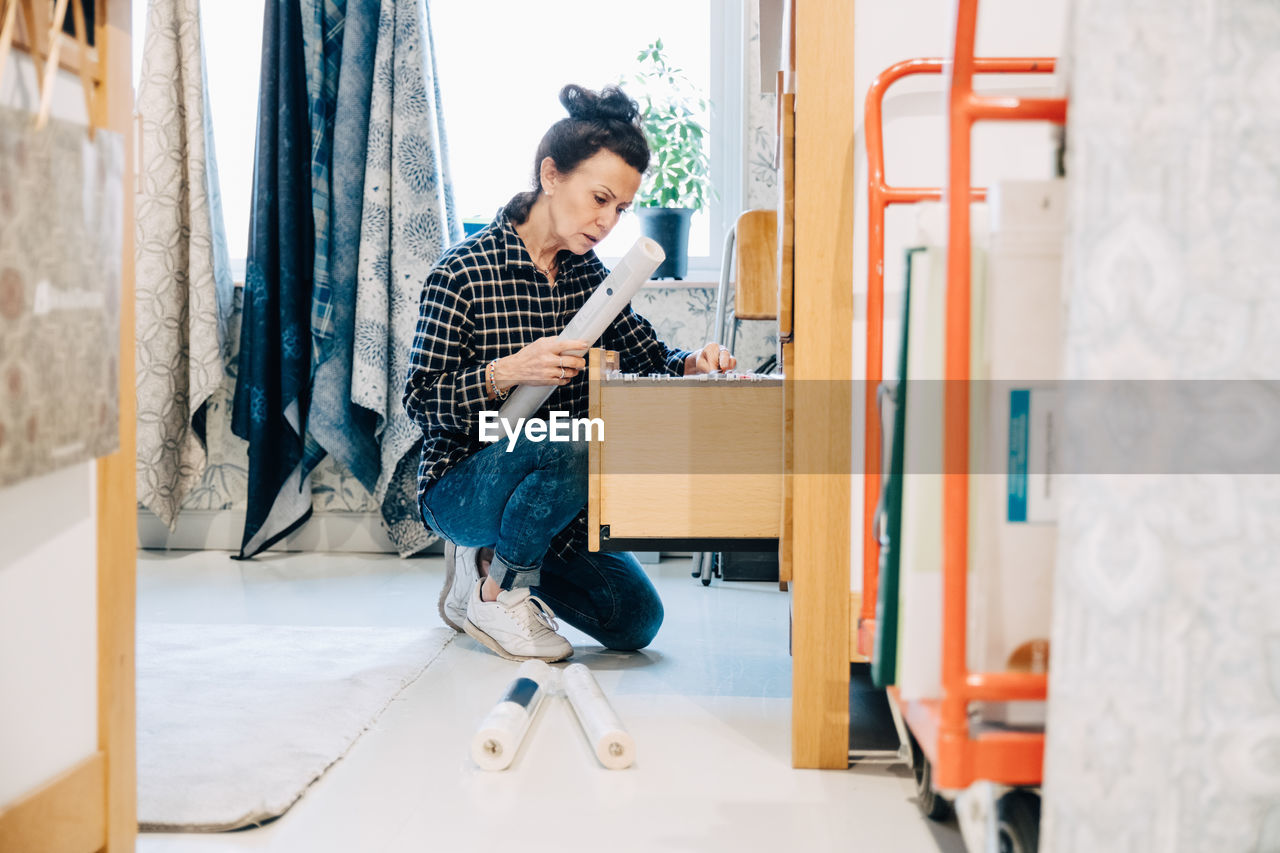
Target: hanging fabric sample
[
  {"x": 184, "y": 287},
  {"x": 1163, "y": 728},
  {"x": 408, "y": 221},
  {"x": 61, "y": 215},
  {"x": 274, "y": 375},
  {"x": 322, "y": 29},
  {"x": 343, "y": 428}
]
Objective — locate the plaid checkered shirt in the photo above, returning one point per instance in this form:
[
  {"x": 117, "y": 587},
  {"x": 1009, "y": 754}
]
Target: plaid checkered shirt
[{"x": 484, "y": 300}]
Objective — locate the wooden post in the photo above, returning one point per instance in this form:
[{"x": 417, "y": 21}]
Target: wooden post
[
  {"x": 117, "y": 483},
  {"x": 823, "y": 322}
]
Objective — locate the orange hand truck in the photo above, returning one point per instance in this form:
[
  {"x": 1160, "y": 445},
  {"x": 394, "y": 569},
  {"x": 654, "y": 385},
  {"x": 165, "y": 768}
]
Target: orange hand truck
[{"x": 947, "y": 754}]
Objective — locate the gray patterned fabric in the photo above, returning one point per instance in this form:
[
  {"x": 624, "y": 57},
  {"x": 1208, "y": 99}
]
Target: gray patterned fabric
[
  {"x": 181, "y": 261},
  {"x": 1164, "y": 713},
  {"x": 60, "y": 240},
  {"x": 408, "y": 221}
]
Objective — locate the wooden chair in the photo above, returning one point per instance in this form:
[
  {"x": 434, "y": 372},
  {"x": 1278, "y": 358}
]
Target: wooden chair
[{"x": 750, "y": 247}]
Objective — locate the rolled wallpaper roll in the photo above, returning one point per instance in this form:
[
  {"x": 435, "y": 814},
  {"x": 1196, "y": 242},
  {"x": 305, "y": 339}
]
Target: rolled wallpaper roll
[
  {"x": 613, "y": 295},
  {"x": 612, "y": 744},
  {"x": 496, "y": 742}
]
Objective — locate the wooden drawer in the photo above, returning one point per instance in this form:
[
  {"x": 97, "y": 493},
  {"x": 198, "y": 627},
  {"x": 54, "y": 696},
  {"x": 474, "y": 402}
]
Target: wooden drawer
[{"x": 693, "y": 462}]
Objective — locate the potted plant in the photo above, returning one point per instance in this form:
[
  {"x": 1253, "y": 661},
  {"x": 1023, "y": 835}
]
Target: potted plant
[{"x": 678, "y": 182}]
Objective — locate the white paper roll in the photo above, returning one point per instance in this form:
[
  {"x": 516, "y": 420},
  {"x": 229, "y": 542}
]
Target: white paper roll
[
  {"x": 610, "y": 297},
  {"x": 499, "y": 737},
  {"x": 612, "y": 744}
]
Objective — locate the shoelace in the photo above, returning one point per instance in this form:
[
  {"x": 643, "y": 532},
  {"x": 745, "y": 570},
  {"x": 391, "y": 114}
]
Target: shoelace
[{"x": 534, "y": 610}]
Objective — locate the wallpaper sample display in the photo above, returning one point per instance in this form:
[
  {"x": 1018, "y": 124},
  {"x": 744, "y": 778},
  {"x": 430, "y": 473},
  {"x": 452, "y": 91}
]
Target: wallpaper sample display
[
  {"x": 183, "y": 277},
  {"x": 1164, "y": 695},
  {"x": 61, "y": 220},
  {"x": 408, "y": 221}
]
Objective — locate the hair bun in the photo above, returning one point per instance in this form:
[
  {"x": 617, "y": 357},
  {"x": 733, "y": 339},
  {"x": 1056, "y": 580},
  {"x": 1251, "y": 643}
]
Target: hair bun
[{"x": 609, "y": 104}]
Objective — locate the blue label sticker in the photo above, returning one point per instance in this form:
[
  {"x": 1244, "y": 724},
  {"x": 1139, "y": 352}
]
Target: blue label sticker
[
  {"x": 1019, "y": 441},
  {"x": 521, "y": 692}
]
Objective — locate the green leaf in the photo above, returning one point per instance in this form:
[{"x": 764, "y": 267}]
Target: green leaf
[{"x": 672, "y": 111}]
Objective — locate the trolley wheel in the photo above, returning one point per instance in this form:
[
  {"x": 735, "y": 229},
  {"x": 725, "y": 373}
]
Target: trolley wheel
[
  {"x": 932, "y": 805},
  {"x": 1018, "y": 814}
]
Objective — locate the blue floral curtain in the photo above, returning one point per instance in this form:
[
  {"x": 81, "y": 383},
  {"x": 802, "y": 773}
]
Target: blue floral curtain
[{"x": 408, "y": 221}]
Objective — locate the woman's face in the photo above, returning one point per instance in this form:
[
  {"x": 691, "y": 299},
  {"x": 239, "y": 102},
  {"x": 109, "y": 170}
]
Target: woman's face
[{"x": 586, "y": 203}]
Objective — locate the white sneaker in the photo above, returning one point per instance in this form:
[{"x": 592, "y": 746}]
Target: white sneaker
[
  {"x": 518, "y": 626},
  {"x": 461, "y": 574}
]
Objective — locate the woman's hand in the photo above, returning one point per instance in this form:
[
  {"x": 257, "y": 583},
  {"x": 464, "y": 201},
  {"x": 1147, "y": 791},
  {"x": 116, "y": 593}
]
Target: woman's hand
[
  {"x": 546, "y": 361},
  {"x": 709, "y": 359}
]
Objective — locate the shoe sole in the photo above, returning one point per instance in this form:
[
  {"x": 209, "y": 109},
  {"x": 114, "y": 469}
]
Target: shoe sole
[
  {"x": 450, "y": 566},
  {"x": 494, "y": 646}
]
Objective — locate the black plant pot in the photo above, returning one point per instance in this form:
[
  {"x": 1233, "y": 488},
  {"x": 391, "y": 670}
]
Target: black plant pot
[{"x": 669, "y": 226}]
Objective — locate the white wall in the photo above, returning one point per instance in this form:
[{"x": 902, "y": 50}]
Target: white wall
[
  {"x": 48, "y": 581},
  {"x": 885, "y": 32}
]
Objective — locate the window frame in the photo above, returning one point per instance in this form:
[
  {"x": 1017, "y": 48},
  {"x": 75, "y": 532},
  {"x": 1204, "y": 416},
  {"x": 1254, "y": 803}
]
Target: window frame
[{"x": 728, "y": 87}]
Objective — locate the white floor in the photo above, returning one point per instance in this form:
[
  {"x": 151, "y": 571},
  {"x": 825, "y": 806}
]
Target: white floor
[{"x": 708, "y": 705}]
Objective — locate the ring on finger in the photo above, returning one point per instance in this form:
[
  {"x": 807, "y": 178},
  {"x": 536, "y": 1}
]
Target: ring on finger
[{"x": 562, "y": 371}]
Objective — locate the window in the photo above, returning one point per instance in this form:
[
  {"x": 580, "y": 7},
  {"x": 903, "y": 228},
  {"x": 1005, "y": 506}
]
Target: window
[
  {"x": 502, "y": 64},
  {"x": 500, "y": 91}
]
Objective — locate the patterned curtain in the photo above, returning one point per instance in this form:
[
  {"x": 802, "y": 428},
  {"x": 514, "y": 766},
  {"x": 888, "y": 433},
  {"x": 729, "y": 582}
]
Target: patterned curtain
[
  {"x": 1164, "y": 712},
  {"x": 408, "y": 221},
  {"x": 274, "y": 377},
  {"x": 347, "y": 231},
  {"x": 184, "y": 286}
]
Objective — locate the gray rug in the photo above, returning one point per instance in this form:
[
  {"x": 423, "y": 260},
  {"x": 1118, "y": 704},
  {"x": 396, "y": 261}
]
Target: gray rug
[{"x": 236, "y": 721}]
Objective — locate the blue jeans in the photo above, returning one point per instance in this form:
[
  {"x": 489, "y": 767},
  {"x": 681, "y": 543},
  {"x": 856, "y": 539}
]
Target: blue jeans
[{"x": 516, "y": 502}]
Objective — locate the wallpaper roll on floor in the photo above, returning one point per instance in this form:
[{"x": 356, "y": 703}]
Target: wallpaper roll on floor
[
  {"x": 609, "y": 739},
  {"x": 499, "y": 737}
]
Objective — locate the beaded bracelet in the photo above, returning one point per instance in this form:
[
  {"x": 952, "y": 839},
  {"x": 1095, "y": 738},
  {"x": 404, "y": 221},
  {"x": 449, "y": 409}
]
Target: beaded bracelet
[{"x": 493, "y": 381}]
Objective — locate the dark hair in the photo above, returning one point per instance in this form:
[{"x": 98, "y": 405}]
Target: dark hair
[{"x": 605, "y": 119}]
